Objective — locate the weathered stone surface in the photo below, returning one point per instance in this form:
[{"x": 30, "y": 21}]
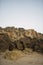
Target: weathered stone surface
[
  {"x": 19, "y": 38},
  {"x": 4, "y": 41}
]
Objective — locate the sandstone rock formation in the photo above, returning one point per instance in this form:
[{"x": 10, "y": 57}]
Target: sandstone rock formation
[{"x": 19, "y": 38}]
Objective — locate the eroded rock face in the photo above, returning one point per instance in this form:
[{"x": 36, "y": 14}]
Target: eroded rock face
[
  {"x": 17, "y": 33},
  {"x": 19, "y": 38},
  {"x": 34, "y": 44},
  {"x": 4, "y": 41}
]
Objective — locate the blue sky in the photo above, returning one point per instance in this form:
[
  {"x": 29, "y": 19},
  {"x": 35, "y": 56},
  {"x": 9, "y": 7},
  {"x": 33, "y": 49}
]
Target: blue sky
[{"x": 22, "y": 13}]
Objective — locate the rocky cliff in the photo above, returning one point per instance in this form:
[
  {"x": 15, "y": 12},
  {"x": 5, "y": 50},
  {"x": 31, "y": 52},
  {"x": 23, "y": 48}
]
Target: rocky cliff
[
  {"x": 17, "y": 33},
  {"x": 11, "y": 37}
]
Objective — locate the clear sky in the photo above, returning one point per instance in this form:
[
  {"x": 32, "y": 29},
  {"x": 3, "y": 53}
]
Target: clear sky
[{"x": 22, "y": 13}]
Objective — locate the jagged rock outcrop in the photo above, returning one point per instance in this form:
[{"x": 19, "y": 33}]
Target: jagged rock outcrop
[
  {"x": 17, "y": 33},
  {"x": 19, "y": 38}
]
